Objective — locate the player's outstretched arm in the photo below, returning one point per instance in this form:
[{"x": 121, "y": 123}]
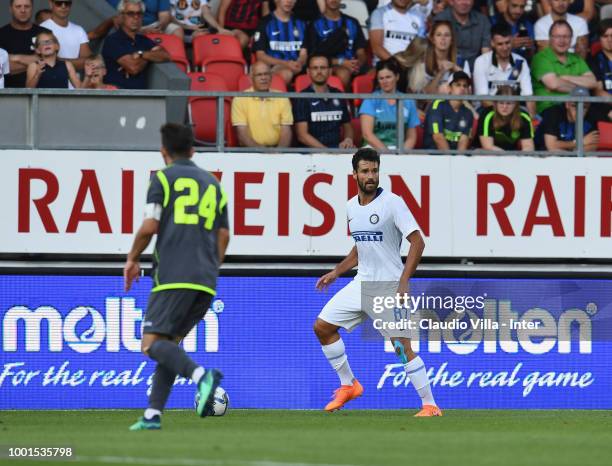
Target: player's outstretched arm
[
  {"x": 348, "y": 263},
  {"x": 131, "y": 270},
  {"x": 417, "y": 246}
]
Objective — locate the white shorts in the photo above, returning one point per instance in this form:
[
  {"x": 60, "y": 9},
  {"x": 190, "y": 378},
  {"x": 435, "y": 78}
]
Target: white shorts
[{"x": 345, "y": 309}]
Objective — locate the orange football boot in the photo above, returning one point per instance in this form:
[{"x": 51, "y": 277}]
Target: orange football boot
[
  {"x": 343, "y": 395},
  {"x": 429, "y": 411}
]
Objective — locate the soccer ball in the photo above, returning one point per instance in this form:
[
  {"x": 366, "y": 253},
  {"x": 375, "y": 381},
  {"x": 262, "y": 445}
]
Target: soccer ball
[{"x": 220, "y": 404}]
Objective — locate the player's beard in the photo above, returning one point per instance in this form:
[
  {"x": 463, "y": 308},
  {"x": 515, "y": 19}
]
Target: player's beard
[{"x": 367, "y": 188}]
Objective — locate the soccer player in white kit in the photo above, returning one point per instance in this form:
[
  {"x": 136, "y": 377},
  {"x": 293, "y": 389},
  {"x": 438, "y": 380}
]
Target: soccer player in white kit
[{"x": 378, "y": 221}]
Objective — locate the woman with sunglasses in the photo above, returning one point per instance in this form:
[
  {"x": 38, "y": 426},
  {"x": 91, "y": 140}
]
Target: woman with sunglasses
[
  {"x": 505, "y": 126},
  {"x": 378, "y": 116},
  {"x": 49, "y": 71}
]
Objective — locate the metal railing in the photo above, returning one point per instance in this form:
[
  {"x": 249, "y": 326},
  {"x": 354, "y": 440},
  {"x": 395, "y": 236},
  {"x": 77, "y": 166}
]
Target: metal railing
[{"x": 219, "y": 145}]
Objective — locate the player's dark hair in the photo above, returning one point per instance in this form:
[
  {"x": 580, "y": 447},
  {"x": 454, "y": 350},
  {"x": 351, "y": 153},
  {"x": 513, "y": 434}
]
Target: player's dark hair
[
  {"x": 318, "y": 55},
  {"x": 365, "y": 153},
  {"x": 501, "y": 28},
  {"x": 604, "y": 25},
  {"x": 177, "y": 139}
]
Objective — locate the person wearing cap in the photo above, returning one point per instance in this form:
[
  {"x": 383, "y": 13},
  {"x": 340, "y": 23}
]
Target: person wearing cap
[
  {"x": 448, "y": 123},
  {"x": 555, "y": 70}
]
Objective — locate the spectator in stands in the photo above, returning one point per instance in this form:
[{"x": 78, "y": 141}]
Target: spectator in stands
[
  {"x": 5, "y": 66},
  {"x": 501, "y": 67},
  {"x": 157, "y": 18},
  {"x": 523, "y": 32},
  {"x": 580, "y": 29},
  {"x": 583, "y": 8},
  {"x": 17, "y": 38},
  {"x": 448, "y": 123},
  {"x": 505, "y": 126},
  {"x": 95, "y": 71},
  {"x": 557, "y": 130},
  {"x": 378, "y": 116},
  {"x": 340, "y": 38},
  {"x": 472, "y": 29},
  {"x": 412, "y": 61},
  {"x": 73, "y": 40},
  {"x": 321, "y": 122},
  {"x": 279, "y": 41},
  {"x": 262, "y": 122},
  {"x": 556, "y": 71},
  {"x": 42, "y": 15},
  {"x": 195, "y": 18},
  {"x": 601, "y": 63},
  {"x": 49, "y": 71},
  {"x": 127, "y": 53},
  {"x": 440, "y": 58},
  {"x": 242, "y": 16},
  {"x": 393, "y": 27}
]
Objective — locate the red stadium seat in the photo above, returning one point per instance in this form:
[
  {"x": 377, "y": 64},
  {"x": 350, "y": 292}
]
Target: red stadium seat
[
  {"x": 277, "y": 84},
  {"x": 231, "y": 72},
  {"x": 363, "y": 84},
  {"x": 175, "y": 47},
  {"x": 202, "y": 110},
  {"x": 420, "y": 136},
  {"x": 303, "y": 81},
  {"x": 605, "y": 136},
  {"x": 216, "y": 47},
  {"x": 595, "y": 48},
  {"x": 357, "y": 137}
]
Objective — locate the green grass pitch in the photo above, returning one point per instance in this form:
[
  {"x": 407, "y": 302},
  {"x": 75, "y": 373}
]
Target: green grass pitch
[{"x": 304, "y": 438}]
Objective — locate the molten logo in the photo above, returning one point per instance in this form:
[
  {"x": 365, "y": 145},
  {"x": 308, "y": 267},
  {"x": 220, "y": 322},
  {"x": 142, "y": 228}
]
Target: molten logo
[{"x": 84, "y": 329}]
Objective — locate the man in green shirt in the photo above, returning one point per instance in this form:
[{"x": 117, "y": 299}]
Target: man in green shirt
[{"x": 555, "y": 71}]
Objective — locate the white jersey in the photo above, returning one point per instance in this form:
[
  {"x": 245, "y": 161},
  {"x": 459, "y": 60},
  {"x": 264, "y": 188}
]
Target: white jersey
[
  {"x": 488, "y": 75},
  {"x": 399, "y": 29},
  {"x": 378, "y": 229},
  {"x": 70, "y": 38},
  {"x": 579, "y": 28},
  {"x": 4, "y": 66}
]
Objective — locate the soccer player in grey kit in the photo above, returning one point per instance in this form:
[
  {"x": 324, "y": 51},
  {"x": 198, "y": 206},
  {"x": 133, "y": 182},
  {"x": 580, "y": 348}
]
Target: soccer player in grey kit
[{"x": 187, "y": 209}]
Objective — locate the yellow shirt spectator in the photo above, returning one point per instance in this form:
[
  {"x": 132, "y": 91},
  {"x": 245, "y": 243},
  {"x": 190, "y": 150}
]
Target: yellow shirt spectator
[{"x": 263, "y": 117}]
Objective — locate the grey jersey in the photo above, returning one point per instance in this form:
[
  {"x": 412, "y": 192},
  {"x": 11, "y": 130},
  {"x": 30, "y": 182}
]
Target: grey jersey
[{"x": 194, "y": 207}]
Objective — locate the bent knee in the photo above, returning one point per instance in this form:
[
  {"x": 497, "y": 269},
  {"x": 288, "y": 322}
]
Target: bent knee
[{"x": 323, "y": 329}]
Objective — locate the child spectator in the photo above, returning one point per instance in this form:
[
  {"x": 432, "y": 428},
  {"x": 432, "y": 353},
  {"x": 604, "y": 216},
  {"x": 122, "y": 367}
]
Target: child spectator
[{"x": 49, "y": 71}]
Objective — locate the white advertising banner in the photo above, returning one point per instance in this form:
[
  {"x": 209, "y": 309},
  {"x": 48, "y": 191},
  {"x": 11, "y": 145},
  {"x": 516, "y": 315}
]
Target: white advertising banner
[{"x": 87, "y": 202}]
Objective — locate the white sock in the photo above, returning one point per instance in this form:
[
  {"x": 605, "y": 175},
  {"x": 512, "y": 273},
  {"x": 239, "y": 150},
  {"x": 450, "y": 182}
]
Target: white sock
[
  {"x": 336, "y": 355},
  {"x": 415, "y": 369},
  {"x": 150, "y": 412},
  {"x": 197, "y": 374}
]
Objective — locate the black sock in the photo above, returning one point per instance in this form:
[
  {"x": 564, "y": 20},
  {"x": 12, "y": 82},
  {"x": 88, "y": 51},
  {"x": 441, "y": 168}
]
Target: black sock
[
  {"x": 172, "y": 357},
  {"x": 163, "y": 379}
]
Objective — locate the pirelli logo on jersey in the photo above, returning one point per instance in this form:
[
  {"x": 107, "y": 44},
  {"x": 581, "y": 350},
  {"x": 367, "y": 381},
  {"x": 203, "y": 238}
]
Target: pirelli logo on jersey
[
  {"x": 400, "y": 35},
  {"x": 286, "y": 46},
  {"x": 375, "y": 236},
  {"x": 334, "y": 115}
]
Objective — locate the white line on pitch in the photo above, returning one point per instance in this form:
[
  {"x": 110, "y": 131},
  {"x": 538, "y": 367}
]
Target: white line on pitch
[{"x": 188, "y": 461}]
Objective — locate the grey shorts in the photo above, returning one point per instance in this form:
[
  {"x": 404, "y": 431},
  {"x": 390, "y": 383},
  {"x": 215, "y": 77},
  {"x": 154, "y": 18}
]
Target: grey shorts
[{"x": 175, "y": 312}]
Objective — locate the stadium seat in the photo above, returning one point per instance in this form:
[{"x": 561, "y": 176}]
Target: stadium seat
[
  {"x": 202, "y": 110},
  {"x": 303, "y": 81},
  {"x": 175, "y": 47},
  {"x": 595, "y": 48},
  {"x": 363, "y": 84},
  {"x": 216, "y": 47},
  {"x": 605, "y": 136},
  {"x": 420, "y": 136},
  {"x": 222, "y": 55},
  {"x": 358, "y": 10},
  {"x": 357, "y": 137},
  {"x": 277, "y": 84}
]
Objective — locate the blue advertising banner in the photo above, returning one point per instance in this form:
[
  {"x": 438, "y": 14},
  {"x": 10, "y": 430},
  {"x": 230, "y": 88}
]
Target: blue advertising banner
[{"x": 72, "y": 342}]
